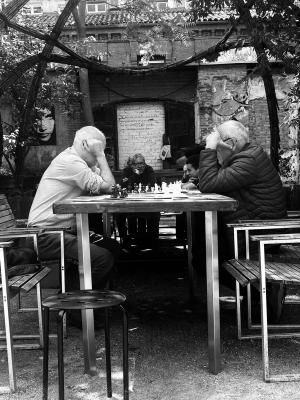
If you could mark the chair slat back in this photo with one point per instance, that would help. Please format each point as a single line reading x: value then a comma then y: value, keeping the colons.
x: 7, y: 219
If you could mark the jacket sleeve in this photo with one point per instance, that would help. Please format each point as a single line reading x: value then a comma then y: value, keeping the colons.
x: 240, y: 172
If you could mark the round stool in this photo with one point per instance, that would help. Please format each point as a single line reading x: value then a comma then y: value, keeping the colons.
x: 84, y: 300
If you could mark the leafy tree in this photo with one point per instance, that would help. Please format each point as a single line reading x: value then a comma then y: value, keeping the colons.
x: 56, y: 87
x: 273, y: 29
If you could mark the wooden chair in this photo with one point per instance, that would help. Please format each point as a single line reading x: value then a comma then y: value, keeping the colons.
x: 10, y: 288
x: 248, y: 272
x: 10, y: 230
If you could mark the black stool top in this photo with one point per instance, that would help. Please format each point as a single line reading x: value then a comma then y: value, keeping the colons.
x: 84, y: 300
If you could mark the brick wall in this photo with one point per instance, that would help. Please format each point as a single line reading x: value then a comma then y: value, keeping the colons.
x: 222, y: 90
x: 140, y: 130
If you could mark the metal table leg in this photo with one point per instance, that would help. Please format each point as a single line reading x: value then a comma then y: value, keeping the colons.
x: 191, y: 272
x: 213, y: 305
x: 85, y: 275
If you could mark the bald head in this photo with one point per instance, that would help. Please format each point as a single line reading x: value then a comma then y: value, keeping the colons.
x: 89, y: 132
x: 89, y: 143
x: 234, y: 130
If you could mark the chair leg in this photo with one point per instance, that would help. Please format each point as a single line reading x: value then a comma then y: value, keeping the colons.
x: 264, y: 319
x: 107, y: 354
x: 7, y: 322
x: 60, y: 354
x: 46, y: 353
x: 40, y: 316
x: 125, y: 355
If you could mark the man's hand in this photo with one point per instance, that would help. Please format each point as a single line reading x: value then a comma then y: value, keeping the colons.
x: 212, y: 140
x: 95, y: 147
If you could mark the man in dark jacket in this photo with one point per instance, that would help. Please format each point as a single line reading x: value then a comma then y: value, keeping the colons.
x: 231, y: 166
x: 143, y: 227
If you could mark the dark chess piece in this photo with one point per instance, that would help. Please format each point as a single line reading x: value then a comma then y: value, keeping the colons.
x: 135, y: 188
x: 143, y: 189
x: 114, y: 192
x: 123, y: 193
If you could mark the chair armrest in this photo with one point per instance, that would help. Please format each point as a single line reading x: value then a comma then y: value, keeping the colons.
x: 288, y: 223
x: 47, y: 229
x: 282, y: 238
x: 19, y: 232
x: 293, y: 214
x: 5, y: 244
x: 21, y: 223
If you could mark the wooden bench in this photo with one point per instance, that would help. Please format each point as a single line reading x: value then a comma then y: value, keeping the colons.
x: 26, y: 278
x: 11, y: 287
x: 282, y: 268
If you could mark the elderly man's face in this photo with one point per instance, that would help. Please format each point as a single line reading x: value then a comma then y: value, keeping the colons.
x: 138, y: 165
x: 225, y: 150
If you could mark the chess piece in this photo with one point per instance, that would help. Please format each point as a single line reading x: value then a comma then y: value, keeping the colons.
x: 143, y: 189
x: 124, y: 193
x: 135, y: 188
x: 114, y: 192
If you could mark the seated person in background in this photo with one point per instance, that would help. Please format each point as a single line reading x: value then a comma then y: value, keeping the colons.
x: 192, y: 172
x: 145, y: 226
x: 80, y: 169
x: 190, y: 180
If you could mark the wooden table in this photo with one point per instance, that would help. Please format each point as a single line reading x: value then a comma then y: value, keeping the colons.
x: 209, y: 203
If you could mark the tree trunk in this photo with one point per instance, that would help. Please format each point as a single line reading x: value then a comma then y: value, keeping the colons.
x: 272, y: 104
x: 266, y: 73
x: 79, y: 16
x: 1, y: 141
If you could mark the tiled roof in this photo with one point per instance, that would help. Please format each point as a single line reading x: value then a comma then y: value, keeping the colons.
x: 111, y: 18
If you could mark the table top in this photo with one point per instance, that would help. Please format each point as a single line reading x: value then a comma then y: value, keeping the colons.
x: 144, y: 203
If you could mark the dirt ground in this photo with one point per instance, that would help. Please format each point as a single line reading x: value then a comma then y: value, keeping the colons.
x: 167, y: 348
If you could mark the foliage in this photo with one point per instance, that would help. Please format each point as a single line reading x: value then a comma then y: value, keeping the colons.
x: 57, y: 88
x: 289, y: 165
x: 273, y: 30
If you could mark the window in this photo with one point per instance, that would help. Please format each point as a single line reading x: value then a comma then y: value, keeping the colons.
x: 219, y: 32
x: 74, y: 37
x: 32, y: 10
x: 206, y: 33
x: 114, y: 3
x: 92, y: 8
x: 102, y: 36
x: 115, y: 36
x: 101, y: 7
x: 162, y: 5
x: 26, y: 10
x: 244, y: 32
x: 37, y: 10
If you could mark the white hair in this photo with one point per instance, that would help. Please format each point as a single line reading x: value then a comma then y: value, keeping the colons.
x: 234, y: 130
x: 88, y: 132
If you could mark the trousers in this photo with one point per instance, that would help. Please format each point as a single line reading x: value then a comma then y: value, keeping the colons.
x: 104, y: 253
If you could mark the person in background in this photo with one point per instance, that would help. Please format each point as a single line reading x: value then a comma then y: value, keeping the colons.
x: 144, y: 227
x: 80, y: 169
x: 192, y: 172
x: 190, y: 157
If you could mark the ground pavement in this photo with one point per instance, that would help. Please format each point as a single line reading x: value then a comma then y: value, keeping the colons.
x: 167, y: 346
